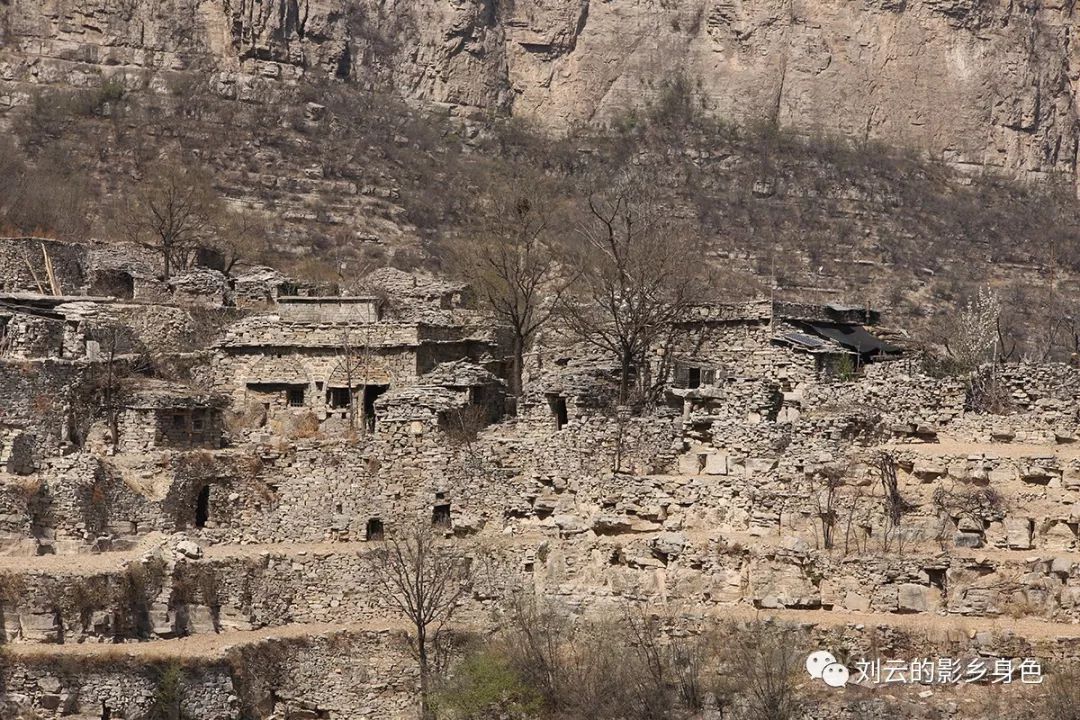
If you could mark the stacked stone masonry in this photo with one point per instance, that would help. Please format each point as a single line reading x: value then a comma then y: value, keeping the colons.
x: 218, y: 516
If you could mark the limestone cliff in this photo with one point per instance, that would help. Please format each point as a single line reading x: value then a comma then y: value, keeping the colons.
x: 971, y: 82
x: 974, y: 82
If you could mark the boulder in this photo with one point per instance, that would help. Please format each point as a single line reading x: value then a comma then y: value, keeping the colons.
x: 669, y: 544
x: 716, y: 464
x: 1061, y: 565
x: 912, y: 598
x: 968, y: 539
x: 1018, y: 533
x: 610, y: 524
x: 189, y: 549
x: 569, y: 524
x: 691, y: 463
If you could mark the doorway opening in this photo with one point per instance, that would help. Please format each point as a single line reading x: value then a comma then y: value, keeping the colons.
x: 371, y: 393
x: 202, y: 507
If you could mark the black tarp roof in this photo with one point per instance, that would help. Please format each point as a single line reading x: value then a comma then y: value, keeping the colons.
x: 855, y: 337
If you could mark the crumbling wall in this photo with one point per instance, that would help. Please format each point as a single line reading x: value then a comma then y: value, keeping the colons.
x: 744, y: 349
x: 351, y: 676
x: 113, y: 686
x: 22, y: 265
x: 145, y: 429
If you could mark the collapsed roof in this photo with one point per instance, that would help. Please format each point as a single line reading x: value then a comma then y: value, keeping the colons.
x: 852, y: 337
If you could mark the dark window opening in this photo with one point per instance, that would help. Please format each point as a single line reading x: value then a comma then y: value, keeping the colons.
x: 440, y: 516
x: 529, y: 566
x: 374, y: 530
x: 178, y: 421
x: 340, y: 398
x: 440, y: 495
x: 558, y: 409
x: 295, y: 396
x: 371, y: 392
x: 693, y: 377
x: 936, y: 577
x: 202, y: 507
x: 115, y: 283
x: 198, y: 423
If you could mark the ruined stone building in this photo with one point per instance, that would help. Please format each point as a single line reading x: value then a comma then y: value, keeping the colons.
x: 181, y: 481
x: 327, y: 355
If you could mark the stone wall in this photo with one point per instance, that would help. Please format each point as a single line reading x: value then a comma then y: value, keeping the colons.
x: 348, y: 675
x: 22, y: 265
x: 65, y: 686
x: 24, y: 337
x: 144, y: 429
x: 328, y: 309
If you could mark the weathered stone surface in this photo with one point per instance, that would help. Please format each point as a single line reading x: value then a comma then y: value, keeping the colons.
x: 189, y: 549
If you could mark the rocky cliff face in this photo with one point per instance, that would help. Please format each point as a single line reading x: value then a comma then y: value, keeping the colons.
x: 974, y: 83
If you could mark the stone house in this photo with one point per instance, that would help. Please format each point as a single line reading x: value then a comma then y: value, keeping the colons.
x: 327, y: 354
x: 786, y: 343
x: 165, y: 416
x: 457, y: 397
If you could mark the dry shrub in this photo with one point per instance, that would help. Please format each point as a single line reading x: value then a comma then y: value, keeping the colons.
x: 297, y: 426
x: 463, y: 425
x: 12, y: 588
x: 1061, y: 696
x: 249, y: 417
x: 28, y: 485
x: 636, y: 664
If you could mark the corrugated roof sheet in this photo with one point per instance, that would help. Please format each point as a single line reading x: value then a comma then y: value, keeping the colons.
x: 855, y: 337
x: 804, y: 340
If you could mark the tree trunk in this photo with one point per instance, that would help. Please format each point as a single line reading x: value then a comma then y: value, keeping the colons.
x: 425, y: 672
x: 624, y: 377
x: 166, y: 254
x: 518, y: 366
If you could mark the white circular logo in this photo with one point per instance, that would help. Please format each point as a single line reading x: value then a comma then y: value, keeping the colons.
x: 835, y: 675
x: 817, y: 661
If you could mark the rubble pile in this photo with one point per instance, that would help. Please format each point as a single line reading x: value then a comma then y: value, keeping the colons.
x: 212, y: 496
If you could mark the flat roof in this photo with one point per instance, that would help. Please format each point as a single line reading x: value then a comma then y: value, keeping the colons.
x: 343, y: 299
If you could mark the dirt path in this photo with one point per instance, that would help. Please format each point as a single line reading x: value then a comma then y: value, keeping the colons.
x: 211, y: 646
x: 92, y: 563
x: 951, y: 447
x: 207, y: 646
x: 940, y: 626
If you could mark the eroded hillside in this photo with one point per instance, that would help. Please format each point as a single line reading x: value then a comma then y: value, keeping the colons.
x: 973, y: 83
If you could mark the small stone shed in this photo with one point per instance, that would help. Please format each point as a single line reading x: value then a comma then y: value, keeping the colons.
x: 166, y: 416
x: 783, y: 342
x: 456, y: 397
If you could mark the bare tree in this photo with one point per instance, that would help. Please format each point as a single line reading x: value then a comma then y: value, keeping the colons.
x: 639, y: 271
x: 978, y: 505
x: 825, y: 485
x: 242, y: 238
x: 514, y: 271
x: 420, y: 575
x: 118, y: 356
x: 173, y: 212
x: 762, y: 663
x: 356, y: 365
x: 894, y: 503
